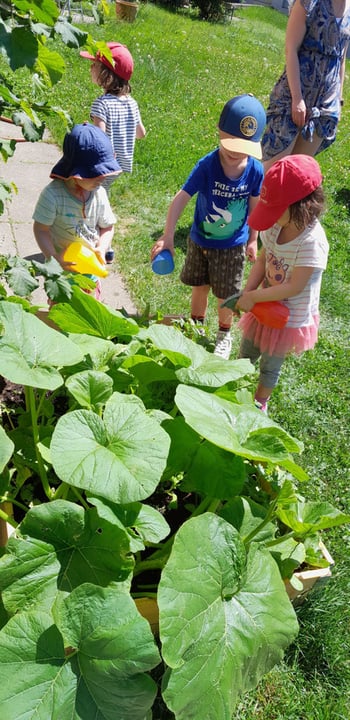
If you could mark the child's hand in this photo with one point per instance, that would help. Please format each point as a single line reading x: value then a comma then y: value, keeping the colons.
x: 67, y: 266
x: 245, y: 302
x: 251, y: 251
x: 162, y: 244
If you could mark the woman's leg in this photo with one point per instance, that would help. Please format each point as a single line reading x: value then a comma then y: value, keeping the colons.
x: 299, y: 146
x: 307, y: 147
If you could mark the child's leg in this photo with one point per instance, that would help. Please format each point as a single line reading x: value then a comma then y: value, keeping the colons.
x: 195, y: 274
x: 199, y: 302
x: 248, y: 350
x: 270, y: 369
x: 225, y: 316
x: 226, y: 271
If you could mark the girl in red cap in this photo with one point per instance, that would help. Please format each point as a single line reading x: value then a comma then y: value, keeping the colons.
x: 288, y: 269
x: 116, y: 112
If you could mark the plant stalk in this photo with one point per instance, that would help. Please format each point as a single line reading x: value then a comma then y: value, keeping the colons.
x: 30, y: 402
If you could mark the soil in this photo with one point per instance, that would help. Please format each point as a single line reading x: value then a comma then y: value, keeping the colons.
x: 11, y: 395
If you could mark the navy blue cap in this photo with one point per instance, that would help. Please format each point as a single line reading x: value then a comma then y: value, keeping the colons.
x: 244, y: 118
x: 87, y: 153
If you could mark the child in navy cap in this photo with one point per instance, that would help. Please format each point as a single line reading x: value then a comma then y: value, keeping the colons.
x: 227, y: 182
x: 74, y: 205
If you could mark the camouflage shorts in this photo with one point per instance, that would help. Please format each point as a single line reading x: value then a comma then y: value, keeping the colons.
x: 221, y: 269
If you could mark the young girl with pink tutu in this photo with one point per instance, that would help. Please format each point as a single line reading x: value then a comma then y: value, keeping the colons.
x: 288, y: 269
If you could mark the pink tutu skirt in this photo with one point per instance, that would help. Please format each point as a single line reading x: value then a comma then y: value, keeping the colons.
x: 279, y: 342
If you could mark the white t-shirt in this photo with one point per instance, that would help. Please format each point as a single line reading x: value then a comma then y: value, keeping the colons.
x: 309, y: 249
x: 69, y: 217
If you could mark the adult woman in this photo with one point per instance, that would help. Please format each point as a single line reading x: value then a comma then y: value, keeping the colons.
x: 305, y: 103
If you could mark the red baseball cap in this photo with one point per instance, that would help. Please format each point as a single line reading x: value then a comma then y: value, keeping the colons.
x: 122, y: 63
x: 287, y: 181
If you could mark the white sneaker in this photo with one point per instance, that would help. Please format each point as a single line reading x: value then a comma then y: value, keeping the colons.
x: 223, y: 344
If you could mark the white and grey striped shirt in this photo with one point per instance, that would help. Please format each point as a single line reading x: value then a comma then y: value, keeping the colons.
x: 121, y: 116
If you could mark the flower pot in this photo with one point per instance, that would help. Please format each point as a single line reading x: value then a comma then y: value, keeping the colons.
x: 309, y: 579
x: 126, y: 10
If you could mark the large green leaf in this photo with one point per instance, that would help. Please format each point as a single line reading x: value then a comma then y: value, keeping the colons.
x: 91, y: 389
x: 22, y: 48
x: 50, y: 64
x: 206, y: 468
x: 120, y: 457
x: 147, y: 370
x: 240, y: 429
x: 215, y: 472
x: 91, y: 664
x: 6, y: 448
x: 305, y: 517
x: 71, y: 35
x: 204, y: 369
x: 61, y: 546
x: 225, y: 619
x: 30, y: 351
x: 215, y: 373
x: 84, y: 314
x: 180, y: 350
x: 20, y: 278
x: 45, y: 11
x: 144, y: 523
x: 99, y: 353
x: 247, y: 516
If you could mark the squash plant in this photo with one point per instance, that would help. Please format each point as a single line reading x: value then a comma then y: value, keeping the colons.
x: 138, y: 466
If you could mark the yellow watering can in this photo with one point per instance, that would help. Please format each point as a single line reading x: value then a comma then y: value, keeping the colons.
x: 85, y: 260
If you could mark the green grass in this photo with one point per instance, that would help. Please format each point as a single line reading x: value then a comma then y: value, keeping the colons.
x: 185, y: 70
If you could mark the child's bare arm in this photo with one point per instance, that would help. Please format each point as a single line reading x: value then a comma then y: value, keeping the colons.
x: 42, y: 234
x: 140, y: 131
x: 98, y: 122
x: 105, y: 240
x: 252, y: 244
x: 294, y: 286
x: 176, y: 207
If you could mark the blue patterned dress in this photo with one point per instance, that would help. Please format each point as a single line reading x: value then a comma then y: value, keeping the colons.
x: 320, y: 59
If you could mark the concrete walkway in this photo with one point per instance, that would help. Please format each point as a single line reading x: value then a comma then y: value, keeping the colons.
x: 29, y: 170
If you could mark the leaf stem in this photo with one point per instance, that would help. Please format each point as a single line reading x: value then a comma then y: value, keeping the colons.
x: 8, y: 519
x: 263, y: 524
x: 80, y: 497
x: 30, y: 402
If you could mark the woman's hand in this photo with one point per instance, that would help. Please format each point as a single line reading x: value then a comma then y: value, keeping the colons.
x: 299, y: 113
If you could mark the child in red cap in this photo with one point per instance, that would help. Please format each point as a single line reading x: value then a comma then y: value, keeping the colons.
x: 116, y: 112
x: 289, y: 267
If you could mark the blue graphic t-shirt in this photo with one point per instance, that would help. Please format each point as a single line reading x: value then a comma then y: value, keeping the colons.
x: 222, y: 205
